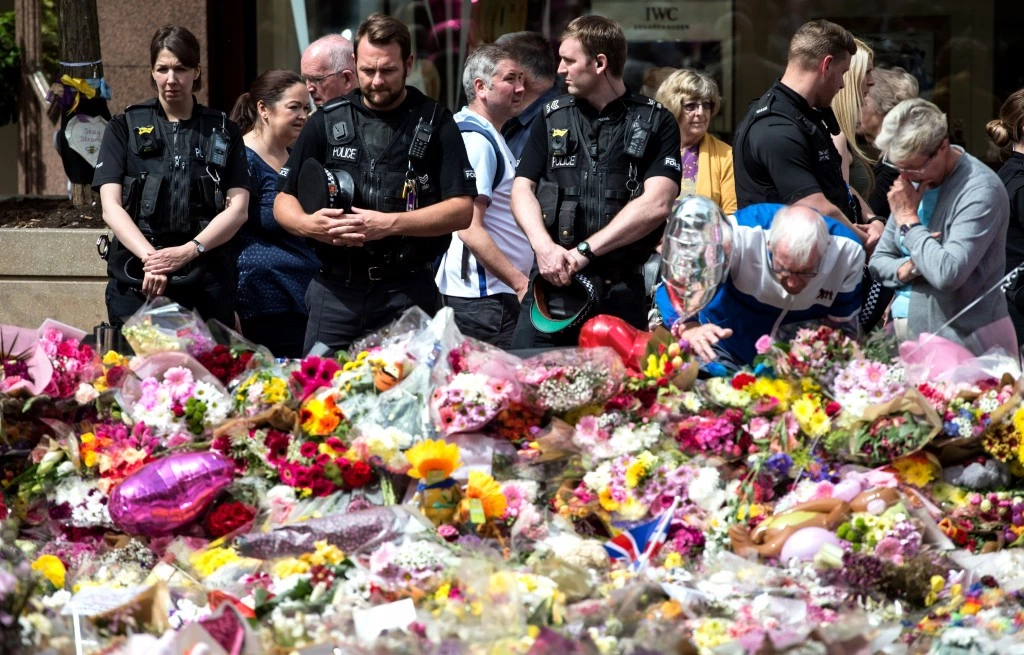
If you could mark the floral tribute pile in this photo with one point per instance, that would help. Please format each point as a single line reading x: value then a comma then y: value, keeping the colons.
x: 428, y: 493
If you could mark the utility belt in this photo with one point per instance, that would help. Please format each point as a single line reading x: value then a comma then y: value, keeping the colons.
x: 125, y: 267
x: 358, y: 270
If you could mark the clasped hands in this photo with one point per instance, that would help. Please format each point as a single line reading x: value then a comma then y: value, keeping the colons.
x: 339, y: 228
x: 558, y: 264
x: 157, y: 265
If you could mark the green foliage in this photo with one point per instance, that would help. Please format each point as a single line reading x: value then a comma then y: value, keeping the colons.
x: 48, y: 26
x: 10, y: 69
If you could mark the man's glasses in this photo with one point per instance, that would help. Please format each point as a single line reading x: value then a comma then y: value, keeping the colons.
x: 691, y: 107
x: 784, y: 272
x: 911, y: 171
x: 317, y: 80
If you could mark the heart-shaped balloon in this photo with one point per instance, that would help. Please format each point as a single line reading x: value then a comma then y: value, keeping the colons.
x: 695, y: 254
x: 169, y: 493
x: 613, y: 332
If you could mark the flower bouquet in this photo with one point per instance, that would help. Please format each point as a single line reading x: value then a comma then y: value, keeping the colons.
x: 980, y: 418
x: 262, y: 389
x: 563, y: 380
x: 24, y: 367
x: 175, y: 397
x: 162, y: 325
x: 862, y: 382
x: 470, y: 401
x: 72, y: 361
x: 888, y: 431
x: 812, y: 352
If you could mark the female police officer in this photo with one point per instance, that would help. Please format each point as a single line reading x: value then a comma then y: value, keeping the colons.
x: 174, y: 184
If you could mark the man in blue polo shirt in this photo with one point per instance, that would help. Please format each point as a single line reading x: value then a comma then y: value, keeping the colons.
x: 789, y: 265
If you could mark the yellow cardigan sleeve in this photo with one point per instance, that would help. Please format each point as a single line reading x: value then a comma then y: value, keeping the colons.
x: 715, y: 173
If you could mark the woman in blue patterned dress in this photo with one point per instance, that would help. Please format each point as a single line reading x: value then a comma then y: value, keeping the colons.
x: 274, y: 267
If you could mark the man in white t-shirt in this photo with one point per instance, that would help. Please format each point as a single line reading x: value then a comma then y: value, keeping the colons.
x: 484, y: 275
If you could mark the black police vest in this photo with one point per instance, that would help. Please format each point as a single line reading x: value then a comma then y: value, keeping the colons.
x: 819, y: 143
x: 596, y: 171
x: 381, y: 161
x: 169, y: 186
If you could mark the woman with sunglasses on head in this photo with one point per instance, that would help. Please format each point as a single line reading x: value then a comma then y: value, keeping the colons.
x: 174, y: 186
x: 945, y: 244
x: 1007, y: 131
x: 274, y: 267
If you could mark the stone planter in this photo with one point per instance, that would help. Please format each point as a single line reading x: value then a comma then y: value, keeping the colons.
x: 51, y: 273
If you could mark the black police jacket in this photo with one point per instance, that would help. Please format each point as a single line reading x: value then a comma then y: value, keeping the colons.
x: 387, y: 165
x: 172, y: 175
x: 589, y: 177
x: 819, y: 140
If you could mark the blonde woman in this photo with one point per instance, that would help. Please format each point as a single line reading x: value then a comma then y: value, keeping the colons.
x: 693, y: 98
x: 857, y: 166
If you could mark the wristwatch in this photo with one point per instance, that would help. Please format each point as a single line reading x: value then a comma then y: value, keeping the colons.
x: 200, y: 248
x: 906, y: 228
x: 584, y: 249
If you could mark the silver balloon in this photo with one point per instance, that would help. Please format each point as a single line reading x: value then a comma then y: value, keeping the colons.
x: 695, y: 253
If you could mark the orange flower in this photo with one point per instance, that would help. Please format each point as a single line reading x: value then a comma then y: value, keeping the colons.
x: 488, y: 491
x: 320, y: 417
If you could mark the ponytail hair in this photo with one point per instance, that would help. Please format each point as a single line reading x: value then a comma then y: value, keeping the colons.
x: 1008, y: 129
x: 268, y: 89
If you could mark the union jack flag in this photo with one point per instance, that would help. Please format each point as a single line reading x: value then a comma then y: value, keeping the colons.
x: 630, y: 545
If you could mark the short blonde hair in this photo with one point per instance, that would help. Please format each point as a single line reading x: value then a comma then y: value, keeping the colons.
x: 685, y: 85
x: 913, y: 127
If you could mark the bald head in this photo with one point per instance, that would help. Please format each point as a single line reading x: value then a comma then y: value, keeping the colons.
x: 801, y: 232
x: 328, y: 68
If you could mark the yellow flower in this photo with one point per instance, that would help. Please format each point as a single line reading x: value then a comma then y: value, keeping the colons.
x: 87, y: 438
x: 635, y: 473
x: 431, y: 456
x: 809, y: 385
x: 917, y: 469
x: 779, y: 389
x: 608, y: 503
x: 320, y: 416
x: 488, y: 491
x: 632, y: 509
x: 89, y: 458
x: 289, y: 567
x: 328, y: 554
x: 442, y: 592
x: 803, y: 409
x: 673, y: 560
x: 274, y: 391
x: 112, y: 358
x: 818, y: 425
x: 207, y: 562
x: 100, y: 384
x: 52, y: 569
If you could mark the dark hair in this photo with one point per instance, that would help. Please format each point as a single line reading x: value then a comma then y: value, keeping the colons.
x: 381, y: 29
x: 816, y: 40
x: 600, y: 36
x: 181, y: 43
x: 1008, y: 129
x: 533, y: 52
x: 268, y: 87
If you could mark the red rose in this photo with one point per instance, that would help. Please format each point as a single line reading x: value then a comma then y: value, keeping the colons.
x: 322, y: 487
x: 358, y: 475
x: 742, y: 381
x: 229, y: 517
x: 221, y: 444
x: 114, y: 376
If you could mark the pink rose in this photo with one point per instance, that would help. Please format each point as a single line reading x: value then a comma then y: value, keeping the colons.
x: 763, y: 344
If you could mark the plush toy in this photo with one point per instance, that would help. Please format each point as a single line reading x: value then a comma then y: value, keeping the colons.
x: 977, y: 476
x: 387, y: 375
x: 769, y: 537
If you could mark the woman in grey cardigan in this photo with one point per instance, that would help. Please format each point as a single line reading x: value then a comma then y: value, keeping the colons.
x: 945, y: 242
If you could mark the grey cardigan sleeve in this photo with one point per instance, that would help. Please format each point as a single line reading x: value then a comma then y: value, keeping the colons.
x: 888, y: 257
x: 978, y: 217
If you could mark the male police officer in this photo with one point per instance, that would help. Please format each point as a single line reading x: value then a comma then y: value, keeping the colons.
x: 596, y: 181
x: 783, y: 150
x: 413, y: 187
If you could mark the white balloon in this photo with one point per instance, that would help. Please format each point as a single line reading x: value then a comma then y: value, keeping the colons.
x: 695, y: 254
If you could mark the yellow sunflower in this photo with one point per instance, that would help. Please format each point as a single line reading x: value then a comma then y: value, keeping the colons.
x: 431, y: 456
x: 488, y: 491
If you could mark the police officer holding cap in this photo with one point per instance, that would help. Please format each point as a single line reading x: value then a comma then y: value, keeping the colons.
x: 413, y: 187
x: 174, y: 185
x: 595, y: 184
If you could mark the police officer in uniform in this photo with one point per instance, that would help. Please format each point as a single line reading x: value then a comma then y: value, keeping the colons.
x: 414, y: 186
x: 596, y: 181
x: 174, y: 185
x: 783, y: 150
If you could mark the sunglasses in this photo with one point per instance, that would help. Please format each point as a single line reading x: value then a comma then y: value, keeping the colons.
x: 691, y: 107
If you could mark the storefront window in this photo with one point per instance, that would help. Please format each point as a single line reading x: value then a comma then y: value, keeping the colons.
x: 963, y: 54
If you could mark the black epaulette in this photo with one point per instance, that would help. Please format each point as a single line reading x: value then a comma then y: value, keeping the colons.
x: 335, y: 103
x: 561, y: 102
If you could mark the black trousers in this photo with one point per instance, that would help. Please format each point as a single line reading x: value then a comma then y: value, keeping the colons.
x: 342, y: 310
x: 491, y: 319
x: 282, y: 333
x: 624, y: 296
x: 212, y: 296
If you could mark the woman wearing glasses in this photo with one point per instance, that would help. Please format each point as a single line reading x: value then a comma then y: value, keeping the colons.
x: 945, y: 244
x: 692, y: 97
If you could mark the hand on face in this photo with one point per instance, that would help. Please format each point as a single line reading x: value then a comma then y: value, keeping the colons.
x: 904, y: 200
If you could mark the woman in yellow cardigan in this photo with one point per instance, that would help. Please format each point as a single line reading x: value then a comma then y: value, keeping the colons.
x: 693, y: 98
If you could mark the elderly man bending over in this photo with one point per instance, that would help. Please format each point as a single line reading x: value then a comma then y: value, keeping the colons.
x: 789, y: 265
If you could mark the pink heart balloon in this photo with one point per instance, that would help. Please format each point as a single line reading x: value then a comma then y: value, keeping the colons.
x: 169, y: 493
